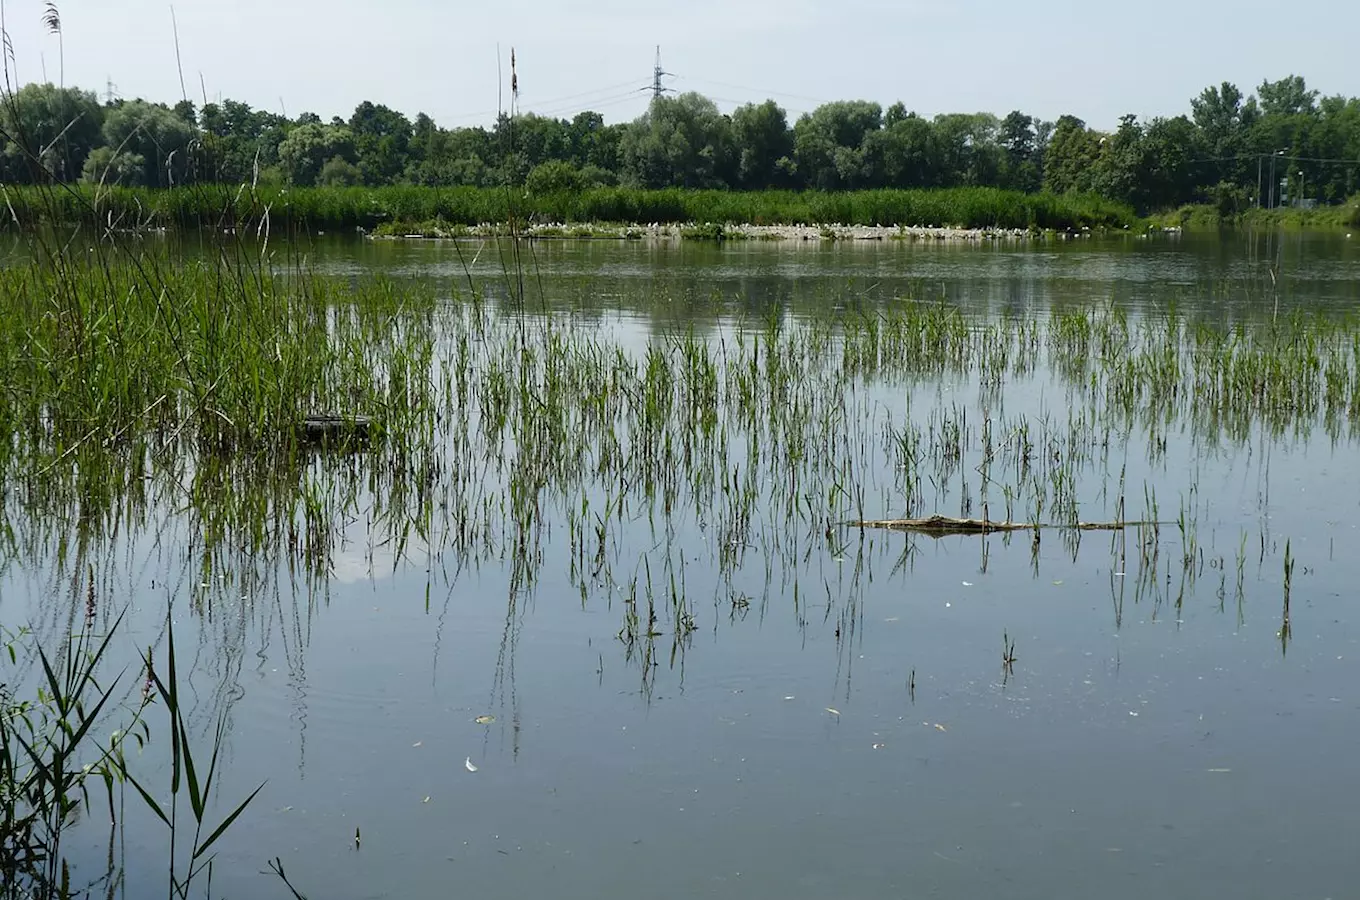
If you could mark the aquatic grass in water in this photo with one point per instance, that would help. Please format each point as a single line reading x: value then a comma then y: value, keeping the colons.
x: 151, y: 382
x: 694, y: 478
x: 131, y: 376
x: 498, y: 420
x: 56, y: 765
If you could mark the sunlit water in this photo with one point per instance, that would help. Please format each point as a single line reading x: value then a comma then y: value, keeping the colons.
x: 857, y: 735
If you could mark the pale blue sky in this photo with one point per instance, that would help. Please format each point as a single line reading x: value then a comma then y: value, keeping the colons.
x: 1096, y: 60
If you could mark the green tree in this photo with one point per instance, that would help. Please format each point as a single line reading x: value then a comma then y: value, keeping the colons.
x: 1225, y: 119
x: 240, y: 141
x: 595, y: 144
x: 1287, y: 97
x: 187, y: 112
x: 680, y: 142
x: 970, y: 154
x: 554, y: 176
x: 828, y: 144
x: 310, y: 147
x: 1119, y: 166
x: 106, y: 166
x: 1167, y: 174
x: 382, y: 140
x: 152, y: 131
x: 1336, y: 135
x: 904, y: 154
x: 764, y: 145
x: 339, y: 172
x: 1071, y: 155
x: 461, y: 156
x: 1019, y: 141
x: 48, y: 132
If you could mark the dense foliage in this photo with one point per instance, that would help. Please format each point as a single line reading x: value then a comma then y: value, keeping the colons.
x: 1283, y: 144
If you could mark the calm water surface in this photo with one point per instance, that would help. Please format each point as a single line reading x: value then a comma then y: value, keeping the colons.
x: 855, y: 736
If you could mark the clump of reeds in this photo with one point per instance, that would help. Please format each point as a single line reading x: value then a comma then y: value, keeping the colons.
x: 401, y: 209
x: 55, y: 764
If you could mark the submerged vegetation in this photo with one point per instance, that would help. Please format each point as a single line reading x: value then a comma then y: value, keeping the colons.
x: 124, y: 392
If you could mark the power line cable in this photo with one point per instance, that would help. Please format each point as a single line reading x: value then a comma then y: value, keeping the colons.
x: 552, y: 101
x: 594, y: 105
x: 753, y: 90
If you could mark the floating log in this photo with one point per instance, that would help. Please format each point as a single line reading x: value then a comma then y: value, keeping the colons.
x: 943, y: 526
x: 327, y: 428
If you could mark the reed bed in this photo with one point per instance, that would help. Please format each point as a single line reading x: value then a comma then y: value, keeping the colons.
x: 504, y: 420
x: 310, y: 209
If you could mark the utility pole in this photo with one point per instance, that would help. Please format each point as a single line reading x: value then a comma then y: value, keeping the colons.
x: 657, y: 73
x: 110, y: 91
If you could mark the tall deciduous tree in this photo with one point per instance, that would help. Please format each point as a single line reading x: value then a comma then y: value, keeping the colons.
x: 764, y: 145
x: 1070, y: 158
x: 308, y: 148
x: 48, y: 132
x: 152, y: 131
x: 828, y: 143
x: 1020, y: 142
x: 680, y: 141
x: 382, y: 140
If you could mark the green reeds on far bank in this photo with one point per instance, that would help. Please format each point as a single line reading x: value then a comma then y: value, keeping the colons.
x: 1206, y: 217
x: 334, y: 208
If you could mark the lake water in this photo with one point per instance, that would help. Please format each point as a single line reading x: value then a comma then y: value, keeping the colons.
x: 838, y: 721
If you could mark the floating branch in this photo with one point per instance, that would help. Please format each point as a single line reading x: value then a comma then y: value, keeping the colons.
x: 944, y: 526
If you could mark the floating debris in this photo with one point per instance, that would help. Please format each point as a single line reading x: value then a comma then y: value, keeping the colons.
x: 484, y: 720
x: 944, y: 526
x: 470, y: 766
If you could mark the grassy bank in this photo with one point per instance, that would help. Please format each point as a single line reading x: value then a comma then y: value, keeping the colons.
x: 368, y: 208
x: 1207, y: 217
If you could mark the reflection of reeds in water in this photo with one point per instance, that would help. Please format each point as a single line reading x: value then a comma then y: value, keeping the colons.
x: 683, y: 469
x: 483, y: 430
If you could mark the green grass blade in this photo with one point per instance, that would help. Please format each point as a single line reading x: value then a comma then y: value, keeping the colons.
x: 88, y: 720
x: 58, y: 695
x: 150, y: 801
x: 196, y: 797
x: 171, y: 694
x: 226, y: 823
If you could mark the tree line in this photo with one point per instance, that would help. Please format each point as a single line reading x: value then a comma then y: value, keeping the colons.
x: 1283, y: 143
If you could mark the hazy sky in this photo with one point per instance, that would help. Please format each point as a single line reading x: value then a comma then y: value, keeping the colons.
x: 1097, y: 60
